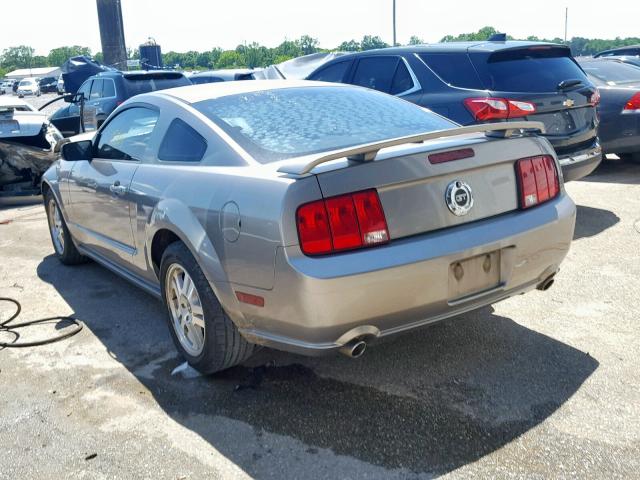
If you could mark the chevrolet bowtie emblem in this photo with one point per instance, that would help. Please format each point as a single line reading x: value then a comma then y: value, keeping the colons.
x: 568, y: 103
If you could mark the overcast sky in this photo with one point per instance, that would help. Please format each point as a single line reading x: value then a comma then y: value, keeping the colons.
x: 183, y: 25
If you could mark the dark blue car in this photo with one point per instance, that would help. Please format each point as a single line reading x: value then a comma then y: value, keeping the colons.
x: 472, y: 82
x: 619, y: 85
x: 105, y: 91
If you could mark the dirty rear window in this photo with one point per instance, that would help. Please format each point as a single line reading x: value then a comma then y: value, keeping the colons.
x: 274, y: 125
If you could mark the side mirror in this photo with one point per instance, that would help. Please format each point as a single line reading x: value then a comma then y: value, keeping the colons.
x: 76, y: 151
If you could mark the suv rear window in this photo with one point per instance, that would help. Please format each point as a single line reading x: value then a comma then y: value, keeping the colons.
x: 534, y: 69
x: 455, y: 69
x: 144, y: 83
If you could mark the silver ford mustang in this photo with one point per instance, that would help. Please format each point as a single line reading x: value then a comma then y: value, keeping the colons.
x: 308, y: 217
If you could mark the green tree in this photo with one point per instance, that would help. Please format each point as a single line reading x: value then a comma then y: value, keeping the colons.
x: 13, y: 58
x: 414, y: 40
x: 370, y: 42
x: 288, y: 48
x: 229, y: 59
x: 350, y: 46
x: 57, y: 56
x: 308, y: 44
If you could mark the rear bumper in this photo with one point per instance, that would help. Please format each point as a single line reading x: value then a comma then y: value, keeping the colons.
x: 319, y: 304
x: 580, y: 164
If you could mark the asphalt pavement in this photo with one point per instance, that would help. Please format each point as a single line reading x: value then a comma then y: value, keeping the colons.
x: 544, y: 385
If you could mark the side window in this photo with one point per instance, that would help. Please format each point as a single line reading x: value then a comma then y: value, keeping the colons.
x: 454, y: 69
x: 182, y: 143
x: 333, y: 73
x: 402, y: 80
x: 375, y: 72
x: 126, y: 136
x: 96, y: 90
x: 108, y: 88
x: 85, y: 88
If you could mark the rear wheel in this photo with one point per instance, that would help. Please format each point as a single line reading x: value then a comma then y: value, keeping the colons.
x: 201, y: 330
x: 63, y: 245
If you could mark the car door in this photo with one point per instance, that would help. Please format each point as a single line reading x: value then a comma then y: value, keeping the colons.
x: 92, y: 105
x: 67, y: 120
x: 99, y: 196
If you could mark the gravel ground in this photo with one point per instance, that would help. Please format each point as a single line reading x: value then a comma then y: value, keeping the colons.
x: 42, y: 99
x: 539, y: 386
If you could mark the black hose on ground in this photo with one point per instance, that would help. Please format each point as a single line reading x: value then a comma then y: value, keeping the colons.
x: 5, y: 327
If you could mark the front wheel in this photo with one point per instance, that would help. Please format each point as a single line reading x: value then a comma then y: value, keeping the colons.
x: 201, y: 330
x: 63, y: 245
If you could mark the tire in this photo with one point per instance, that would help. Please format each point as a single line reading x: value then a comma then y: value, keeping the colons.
x: 630, y: 157
x: 209, y: 341
x: 63, y: 246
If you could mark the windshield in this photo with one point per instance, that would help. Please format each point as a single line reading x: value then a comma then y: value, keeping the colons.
x: 612, y: 73
x: 274, y: 125
x: 24, y: 83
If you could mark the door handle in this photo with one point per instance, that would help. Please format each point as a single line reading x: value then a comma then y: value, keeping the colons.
x: 118, y: 189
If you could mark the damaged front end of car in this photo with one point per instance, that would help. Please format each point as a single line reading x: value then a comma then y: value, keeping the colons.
x: 28, y: 146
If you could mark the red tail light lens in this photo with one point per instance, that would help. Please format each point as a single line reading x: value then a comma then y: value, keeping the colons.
x: 313, y: 228
x: 342, y: 223
x: 537, y: 180
x: 633, y: 105
x: 595, y: 98
x: 489, y: 108
x: 373, y: 224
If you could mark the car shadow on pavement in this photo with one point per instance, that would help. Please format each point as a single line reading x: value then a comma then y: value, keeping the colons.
x: 431, y: 401
x: 591, y: 221
x: 615, y: 171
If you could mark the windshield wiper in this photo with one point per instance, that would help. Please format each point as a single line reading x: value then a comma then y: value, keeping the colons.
x: 566, y: 84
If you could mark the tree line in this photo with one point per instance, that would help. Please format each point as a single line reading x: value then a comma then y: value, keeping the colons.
x: 256, y: 55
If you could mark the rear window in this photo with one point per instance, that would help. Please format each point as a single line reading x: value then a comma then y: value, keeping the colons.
x: 205, y: 79
x: 274, y: 125
x: 537, y: 69
x: 455, y: 69
x: 612, y: 73
x: 137, y: 84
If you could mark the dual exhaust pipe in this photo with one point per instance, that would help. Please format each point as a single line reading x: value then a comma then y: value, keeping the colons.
x: 355, y: 348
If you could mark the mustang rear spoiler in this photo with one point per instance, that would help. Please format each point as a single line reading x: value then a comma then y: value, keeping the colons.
x: 367, y: 152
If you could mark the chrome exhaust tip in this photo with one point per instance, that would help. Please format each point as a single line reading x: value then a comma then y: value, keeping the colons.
x: 354, y: 348
x: 547, y: 283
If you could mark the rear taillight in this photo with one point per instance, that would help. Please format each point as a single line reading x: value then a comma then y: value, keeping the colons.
x: 489, y: 108
x: 345, y: 222
x: 537, y: 180
x: 594, y: 99
x: 633, y: 105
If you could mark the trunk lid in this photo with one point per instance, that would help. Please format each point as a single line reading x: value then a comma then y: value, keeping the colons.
x: 412, y: 189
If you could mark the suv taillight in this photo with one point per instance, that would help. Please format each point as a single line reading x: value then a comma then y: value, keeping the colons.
x: 633, y: 105
x: 537, y: 180
x: 345, y: 222
x: 594, y: 99
x: 489, y: 108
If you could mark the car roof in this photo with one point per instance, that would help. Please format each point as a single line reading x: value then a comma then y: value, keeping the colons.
x: 452, y: 47
x: 138, y: 73
x: 10, y: 101
x: 224, y: 72
x: 617, y: 49
x: 208, y: 91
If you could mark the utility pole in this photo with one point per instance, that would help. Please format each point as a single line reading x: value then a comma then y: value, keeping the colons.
x: 394, y: 23
x: 112, y: 33
x: 566, y: 20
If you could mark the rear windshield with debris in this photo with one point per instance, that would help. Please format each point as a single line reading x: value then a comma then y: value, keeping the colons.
x: 274, y: 125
